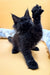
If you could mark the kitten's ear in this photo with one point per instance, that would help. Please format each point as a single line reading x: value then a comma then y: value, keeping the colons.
x: 27, y: 14
x: 15, y: 18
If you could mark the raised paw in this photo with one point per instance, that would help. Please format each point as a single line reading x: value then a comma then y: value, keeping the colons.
x: 32, y: 65
x: 36, y: 11
x: 35, y: 49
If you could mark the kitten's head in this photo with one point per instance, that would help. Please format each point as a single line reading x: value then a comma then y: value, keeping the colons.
x: 22, y: 24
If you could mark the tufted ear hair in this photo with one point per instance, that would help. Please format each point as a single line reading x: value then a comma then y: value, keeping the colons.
x: 15, y: 18
x: 27, y: 14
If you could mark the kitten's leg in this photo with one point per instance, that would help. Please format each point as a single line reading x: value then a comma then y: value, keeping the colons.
x: 10, y: 39
x: 15, y: 50
x: 35, y: 49
x: 29, y: 59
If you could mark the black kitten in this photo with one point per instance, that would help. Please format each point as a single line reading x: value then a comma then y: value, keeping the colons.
x: 28, y: 34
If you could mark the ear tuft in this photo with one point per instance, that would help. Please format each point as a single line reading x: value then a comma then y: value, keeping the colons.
x: 15, y: 18
x: 27, y: 14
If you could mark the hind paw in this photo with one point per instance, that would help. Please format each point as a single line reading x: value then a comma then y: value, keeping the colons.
x: 15, y: 50
x: 36, y: 49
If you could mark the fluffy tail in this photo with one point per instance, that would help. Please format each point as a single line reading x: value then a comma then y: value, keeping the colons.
x: 10, y: 39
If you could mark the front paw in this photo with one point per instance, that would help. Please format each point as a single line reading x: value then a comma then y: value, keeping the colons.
x: 37, y: 11
x: 32, y: 64
x: 14, y: 50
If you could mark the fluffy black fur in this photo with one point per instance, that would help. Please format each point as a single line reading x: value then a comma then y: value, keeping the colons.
x: 28, y: 34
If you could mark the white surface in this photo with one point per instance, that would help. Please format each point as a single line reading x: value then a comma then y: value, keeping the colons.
x: 4, y: 33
